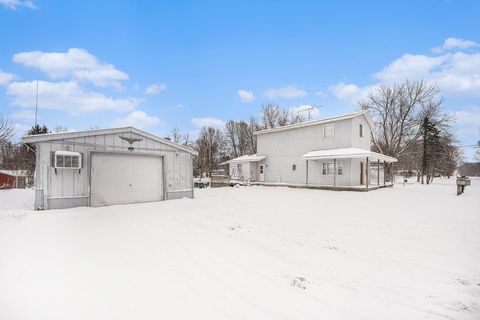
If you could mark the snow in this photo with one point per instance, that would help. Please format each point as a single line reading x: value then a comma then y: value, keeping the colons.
x: 347, y: 153
x: 254, y: 252
x: 12, y: 200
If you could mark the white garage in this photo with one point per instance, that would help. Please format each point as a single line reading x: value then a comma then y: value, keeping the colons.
x: 109, y: 167
x: 125, y: 178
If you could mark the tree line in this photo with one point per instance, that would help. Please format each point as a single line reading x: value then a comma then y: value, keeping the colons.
x: 409, y: 124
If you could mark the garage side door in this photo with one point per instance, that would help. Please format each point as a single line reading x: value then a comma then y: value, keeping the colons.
x: 121, y: 179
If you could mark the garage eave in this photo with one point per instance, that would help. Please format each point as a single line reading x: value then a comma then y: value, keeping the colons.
x: 78, y: 134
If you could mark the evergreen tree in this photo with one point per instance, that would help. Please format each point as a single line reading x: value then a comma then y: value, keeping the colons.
x: 37, y: 129
x: 432, y: 149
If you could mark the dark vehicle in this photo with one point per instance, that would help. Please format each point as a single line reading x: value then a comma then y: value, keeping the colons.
x: 199, y: 184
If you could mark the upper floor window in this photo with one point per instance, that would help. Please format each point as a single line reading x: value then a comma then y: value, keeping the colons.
x: 294, y: 167
x: 361, y: 130
x: 328, y: 130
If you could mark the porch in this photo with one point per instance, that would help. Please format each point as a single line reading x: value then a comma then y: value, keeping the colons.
x: 351, y: 169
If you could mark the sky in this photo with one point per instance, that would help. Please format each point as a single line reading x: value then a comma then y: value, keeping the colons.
x: 158, y: 65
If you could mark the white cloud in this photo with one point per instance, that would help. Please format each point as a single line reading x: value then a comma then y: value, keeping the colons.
x: 156, y: 88
x: 468, y: 117
x: 346, y: 91
x: 68, y: 96
x: 320, y: 94
x: 137, y: 119
x: 246, y: 96
x: 455, y: 43
x: 288, y: 92
x: 6, y: 78
x: 410, y: 66
x: 457, y: 73
x: 208, y: 122
x: 77, y: 64
x: 14, y: 4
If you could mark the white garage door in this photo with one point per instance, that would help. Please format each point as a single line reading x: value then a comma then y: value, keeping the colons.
x: 125, y: 178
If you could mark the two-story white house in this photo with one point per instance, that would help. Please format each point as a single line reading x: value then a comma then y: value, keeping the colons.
x: 334, y: 152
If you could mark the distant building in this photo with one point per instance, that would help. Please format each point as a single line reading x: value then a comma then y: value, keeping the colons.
x: 469, y: 169
x: 10, y: 179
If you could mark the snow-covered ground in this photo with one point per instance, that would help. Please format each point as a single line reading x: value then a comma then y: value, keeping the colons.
x: 247, y: 253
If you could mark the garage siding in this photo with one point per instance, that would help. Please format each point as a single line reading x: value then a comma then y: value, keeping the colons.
x: 71, y: 188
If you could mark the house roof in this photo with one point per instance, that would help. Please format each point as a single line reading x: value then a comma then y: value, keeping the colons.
x: 68, y: 135
x: 347, y: 153
x: 365, y: 113
x: 15, y: 173
x: 246, y: 158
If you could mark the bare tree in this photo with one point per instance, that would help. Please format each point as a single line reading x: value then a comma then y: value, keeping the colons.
x: 253, y: 126
x: 398, y: 112
x: 61, y: 129
x: 270, y: 114
x: 210, y: 147
x: 231, y: 138
x: 7, y: 130
x: 273, y: 116
x: 176, y: 136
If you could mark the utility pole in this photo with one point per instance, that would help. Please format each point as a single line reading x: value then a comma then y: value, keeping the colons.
x: 36, y: 104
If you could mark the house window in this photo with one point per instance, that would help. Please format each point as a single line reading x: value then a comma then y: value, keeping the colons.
x: 294, y: 167
x: 328, y: 130
x: 361, y: 130
x: 261, y: 169
x: 327, y: 168
x: 239, y: 167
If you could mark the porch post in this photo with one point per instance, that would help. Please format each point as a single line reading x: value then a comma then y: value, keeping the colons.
x: 367, y: 180
x: 378, y: 173
x: 334, y: 172
x: 306, y: 174
x: 384, y: 171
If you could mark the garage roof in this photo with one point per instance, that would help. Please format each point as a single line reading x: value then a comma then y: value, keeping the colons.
x: 346, y: 153
x: 68, y: 135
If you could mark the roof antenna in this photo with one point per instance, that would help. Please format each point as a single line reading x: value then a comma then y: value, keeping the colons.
x: 309, y: 110
x: 36, y: 103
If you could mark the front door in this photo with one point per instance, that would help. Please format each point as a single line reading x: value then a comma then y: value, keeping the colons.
x: 361, y: 173
x: 261, y: 175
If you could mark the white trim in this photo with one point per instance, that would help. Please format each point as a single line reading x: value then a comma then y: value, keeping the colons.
x: 246, y: 158
x: 69, y: 135
x: 346, y: 153
x: 364, y: 113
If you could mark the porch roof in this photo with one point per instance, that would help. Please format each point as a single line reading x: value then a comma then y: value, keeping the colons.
x: 347, y: 153
x: 246, y: 158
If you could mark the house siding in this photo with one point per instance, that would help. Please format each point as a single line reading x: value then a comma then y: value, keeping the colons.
x: 285, y: 148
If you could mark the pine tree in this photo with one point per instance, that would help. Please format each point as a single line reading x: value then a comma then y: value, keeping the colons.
x: 432, y: 149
